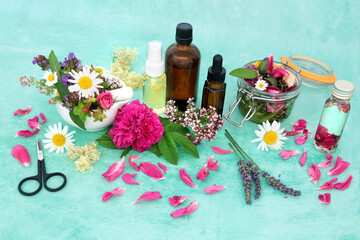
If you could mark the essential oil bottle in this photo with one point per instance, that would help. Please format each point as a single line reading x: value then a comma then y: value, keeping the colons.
x: 214, y: 87
x: 334, y: 116
x: 154, y: 79
x: 182, y: 60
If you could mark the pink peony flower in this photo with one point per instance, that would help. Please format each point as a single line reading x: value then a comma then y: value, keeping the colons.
x: 105, y: 99
x: 136, y: 125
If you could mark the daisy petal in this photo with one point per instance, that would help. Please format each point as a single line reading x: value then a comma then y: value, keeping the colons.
x: 186, y: 211
x: 116, y: 191
x: 286, y: 154
x: 221, y: 151
x: 339, y: 167
x: 186, y: 178
x: 149, y: 196
x: 344, y: 185
x: 213, y: 189
x: 23, y: 112
x: 325, y: 198
x: 21, y: 153
x: 177, y: 200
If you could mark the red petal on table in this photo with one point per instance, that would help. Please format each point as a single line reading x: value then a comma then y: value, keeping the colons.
x: 314, y: 173
x: 43, y: 118
x: 34, y: 122
x: 303, y: 157
x: 26, y: 133
x: 21, y: 153
x: 177, y: 200
x: 151, y: 170
x: 149, y: 196
x: 221, y: 151
x: 325, y: 198
x: 132, y: 158
x: 300, y: 125
x: 129, y: 178
x: 116, y: 191
x: 286, y: 154
x: 339, y: 167
x: 186, y: 211
x: 163, y: 167
x: 327, y: 162
x: 328, y: 185
x: 212, y: 165
x: 186, y: 178
x: 344, y: 185
x: 22, y: 112
x: 213, y: 189
x: 202, y: 174
x: 115, y: 170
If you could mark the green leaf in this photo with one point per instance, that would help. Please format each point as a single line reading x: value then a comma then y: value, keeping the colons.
x: 156, y: 150
x: 263, y: 66
x: 126, y: 151
x: 164, y: 121
x: 105, y: 141
x: 82, y: 116
x: 55, y: 67
x: 188, y: 145
x: 77, y: 120
x: 168, y: 148
x: 176, y: 127
x: 54, y: 63
x: 271, y: 80
x: 244, y: 73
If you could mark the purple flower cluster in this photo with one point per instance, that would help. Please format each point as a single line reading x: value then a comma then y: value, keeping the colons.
x: 246, y: 177
x: 204, y: 122
x: 42, y: 62
x: 255, y: 174
x: 65, y: 80
x: 71, y: 63
x: 279, y: 186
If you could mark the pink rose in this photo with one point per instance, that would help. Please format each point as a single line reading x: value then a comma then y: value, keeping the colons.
x: 105, y: 99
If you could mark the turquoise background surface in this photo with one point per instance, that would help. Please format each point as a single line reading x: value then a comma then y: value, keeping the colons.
x: 239, y: 30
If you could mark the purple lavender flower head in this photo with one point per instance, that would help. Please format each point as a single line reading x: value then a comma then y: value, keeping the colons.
x: 246, y: 176
x: 71, y: 63
x: 42, y: 62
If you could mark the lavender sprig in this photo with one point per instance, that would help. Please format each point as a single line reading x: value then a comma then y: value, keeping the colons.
x: 278, y: 185
x: 246, y: 176
x: 255, y: 174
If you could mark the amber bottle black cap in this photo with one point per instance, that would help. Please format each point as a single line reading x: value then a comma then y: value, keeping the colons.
x: 184, y: 33
x: 216, y: 72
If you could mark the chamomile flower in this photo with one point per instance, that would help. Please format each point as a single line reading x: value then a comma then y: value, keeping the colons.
x: 270, y: 136
x: 58, y: 138
x: 51, y: 78
x: 261, y: 85
x: 86, y: 83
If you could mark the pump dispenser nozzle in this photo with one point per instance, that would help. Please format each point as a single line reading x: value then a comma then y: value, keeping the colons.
x: 216, y: 72
x: 154, y: 64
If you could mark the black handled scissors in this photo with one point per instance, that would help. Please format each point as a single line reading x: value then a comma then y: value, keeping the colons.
x: 41, y: 175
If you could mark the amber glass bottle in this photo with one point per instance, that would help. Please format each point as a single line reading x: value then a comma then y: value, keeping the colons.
x: 214, y: 87
x: 182, y: 60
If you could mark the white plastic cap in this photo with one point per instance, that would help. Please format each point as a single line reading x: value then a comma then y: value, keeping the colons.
x: 154, y: 64
x: 343, y: 89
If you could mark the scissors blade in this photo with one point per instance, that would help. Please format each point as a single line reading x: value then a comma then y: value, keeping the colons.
x: 40, y: 150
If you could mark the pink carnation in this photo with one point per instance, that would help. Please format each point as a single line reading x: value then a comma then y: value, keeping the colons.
x: 136, y: 125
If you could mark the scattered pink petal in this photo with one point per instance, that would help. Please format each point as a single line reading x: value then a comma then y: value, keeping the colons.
x: 43, y: 118
x: 185, y: 211
x: 221, y: 151
x: 279, y: 72
x: 34, y: 122
x: 163, y: 167
x: 314, y: 173
x: 149, y: 196
x: 213, y: 189
x: 177, y: 200
x: 286, y: 154
x: 327, y: 162
x: 117, y: 191
x: 151, y: 170
x: 22, y: 112
x: 344, y: 185
x: 186, y: 178
x: 339, y: 167
x: 300, y: 125
x: 21, y: 153
x: 202, y: 174
x: 328, y: 185
x: 291, y: 133
x: 129, y: 178
x: 132, y: 158
x: 303, y: 157
x: 115, y: 170
x: 325, y: 198
x: 212, y: 165
x: 26, y: 133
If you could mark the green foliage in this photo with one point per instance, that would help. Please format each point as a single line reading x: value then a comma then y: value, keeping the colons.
x: 77, y: 120
x: 126, y: 151
x: 271, y: 80
x: 168, y: 148
x: 106, y: 141
x: 244, y: 73
x: 155, y: 149
x: 263, y: 66
x: 188, y: 145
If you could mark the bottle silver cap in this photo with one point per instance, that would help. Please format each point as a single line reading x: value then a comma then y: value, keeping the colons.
x: 343, y: 90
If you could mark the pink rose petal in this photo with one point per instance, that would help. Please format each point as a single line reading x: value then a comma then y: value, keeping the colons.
x: 21, y: 153
x: 149, y: 196
x: 163, y: 167
x: 212, y: 165
x: 151, y: 170
x: 115, y: 170
x: 43, y: 118
x: 339, y: 167
x: 22, y: 112
x: 132, y: 158
x: 300, y: 125
x: 177, y: 200
x: 314, y: 173
x: 291, y: 133
x: 26, y: 133
x: 302, y: 139
x: 344, y: 185
x: 186, y: 211
x: 328, y: 185
x: 325, y: 198
x: 116, y: 191
x: 327, y: 162
x: 34, y: 122
x: 221, y: 151
x: 202, y: 174
x: 270, y: 63
x: 279, y: 72
x: 303, y: 157
x: 286, y: 154
x: 213, y: 189
x: 186, y: 178
x: 273, y: 89
x: 129, y: 178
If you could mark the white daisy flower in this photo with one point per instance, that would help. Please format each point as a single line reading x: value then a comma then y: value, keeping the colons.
x: 86, y: 83
x: 261, y: 85
x: 51, y: 78
x: 58, y: 138
x: 270, y: 136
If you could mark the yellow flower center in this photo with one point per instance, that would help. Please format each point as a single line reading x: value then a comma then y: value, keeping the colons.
x: 270, y: 137
x: 59, y: 139
x: 99, y: 70
x: 261, y: 85
x: 85, y: 82
x: 51, y: 77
